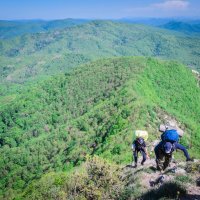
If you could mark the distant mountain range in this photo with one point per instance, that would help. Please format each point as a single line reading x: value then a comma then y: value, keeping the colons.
x: 9, y: 29
x: 188, y: 28
x: 147, y: 21
x: 12, y: 28
x: 34, y: 56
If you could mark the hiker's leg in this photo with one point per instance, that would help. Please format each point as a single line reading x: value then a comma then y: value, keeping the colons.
x: 144, y: 156
x: 182, y: 148
x: 159, y: 160
x: 135, y: 154
x: 168, y: 159
x: 159, y: 163
x: 157, y: 150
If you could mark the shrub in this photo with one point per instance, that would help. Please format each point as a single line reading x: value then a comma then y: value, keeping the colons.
x: 170, y: 190
x: 97, y: 180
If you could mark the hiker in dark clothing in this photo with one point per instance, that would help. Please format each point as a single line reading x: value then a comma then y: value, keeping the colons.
x: 139, y: 146
x: 164, y: 152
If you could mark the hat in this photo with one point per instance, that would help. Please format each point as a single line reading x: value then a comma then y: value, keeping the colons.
x: 168, y: 147
x: 140, y: 140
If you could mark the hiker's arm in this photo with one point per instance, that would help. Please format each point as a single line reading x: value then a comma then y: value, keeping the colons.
x: 145, y: 150
x: 182, y: 148
x: 133, y: 146
x: 156, y: 151
x: 162, y: 136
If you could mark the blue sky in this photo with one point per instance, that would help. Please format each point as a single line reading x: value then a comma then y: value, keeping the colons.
x: 97, y: 9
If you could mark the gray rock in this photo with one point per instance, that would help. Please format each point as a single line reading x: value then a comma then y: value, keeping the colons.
x: 180, y: 171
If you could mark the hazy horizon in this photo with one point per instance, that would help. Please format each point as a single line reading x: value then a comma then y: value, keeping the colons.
x: 125, y: 18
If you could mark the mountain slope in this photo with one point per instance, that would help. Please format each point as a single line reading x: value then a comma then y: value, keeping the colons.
x: 10, y: 29
x: 188, y: 28
x: 147, y: 21
x: 36, y: 56
x: 93, y: 110
x: 99, y: 179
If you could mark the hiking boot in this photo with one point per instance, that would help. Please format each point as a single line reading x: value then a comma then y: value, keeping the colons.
x: 174, y: 169
x: 164, y: 168
x: 135, y: 166
x: 158, y: 168
x: 189, y: 160
x: 142, y: 163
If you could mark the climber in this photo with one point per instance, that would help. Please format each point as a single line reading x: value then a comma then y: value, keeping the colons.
x: 139, y: 146
x: 166, y: 147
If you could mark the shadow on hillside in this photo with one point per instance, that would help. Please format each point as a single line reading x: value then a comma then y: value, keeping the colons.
x: 169, y: 190
x: 153, y: 168
x: 190, y: 197
x: 129, y: 166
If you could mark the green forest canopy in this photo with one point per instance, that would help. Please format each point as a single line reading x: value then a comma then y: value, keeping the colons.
x: 53, y: 125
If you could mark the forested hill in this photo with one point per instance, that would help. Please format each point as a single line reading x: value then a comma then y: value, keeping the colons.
x: 92, y: 110
x: 184, y: 27
x: 35, y: 56
x: 10, y: 29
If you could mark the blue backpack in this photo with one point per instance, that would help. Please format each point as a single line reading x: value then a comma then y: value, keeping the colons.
x: 170, y: 136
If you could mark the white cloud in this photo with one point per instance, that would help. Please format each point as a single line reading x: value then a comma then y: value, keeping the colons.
x: 172, y: 4
x: 164, y: 8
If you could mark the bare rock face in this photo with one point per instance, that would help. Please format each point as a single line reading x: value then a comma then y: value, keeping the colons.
x: 182, y: 177
x: 169, y: 122
x: 180, y: 171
